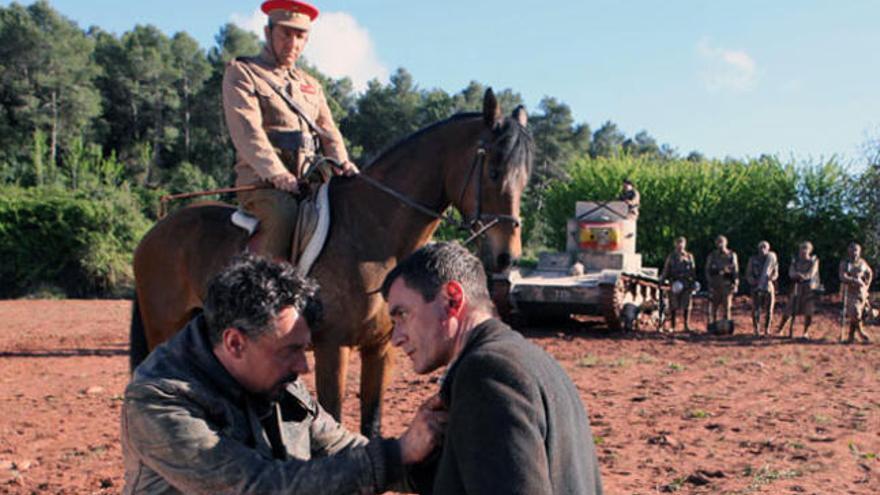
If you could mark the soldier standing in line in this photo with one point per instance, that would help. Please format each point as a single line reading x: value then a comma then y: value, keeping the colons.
x: 762, y: 271
x: 722, y: 273
x: 804, y: 275
x: 855, y: 278
x: 680, y: 270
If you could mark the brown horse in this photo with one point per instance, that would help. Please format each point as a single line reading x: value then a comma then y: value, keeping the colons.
x: 479, y: 163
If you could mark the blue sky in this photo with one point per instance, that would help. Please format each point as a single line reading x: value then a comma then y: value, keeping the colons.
x: 792, y: 78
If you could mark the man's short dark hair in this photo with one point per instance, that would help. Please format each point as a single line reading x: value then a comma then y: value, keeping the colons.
x: 433, y: 266
x: 251, y: 291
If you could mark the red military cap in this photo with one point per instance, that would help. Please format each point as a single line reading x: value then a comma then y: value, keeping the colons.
x: 291, y: 13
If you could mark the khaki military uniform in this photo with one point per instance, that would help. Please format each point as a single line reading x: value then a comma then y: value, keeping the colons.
x: 762, y: 271
x: 856, y: 277
x: 680, y: 267
x: 722, y: 273
x: 633, y: 201
x: 804, y: 274
x: 270, y: 139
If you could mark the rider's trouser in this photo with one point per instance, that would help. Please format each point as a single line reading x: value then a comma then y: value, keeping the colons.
x: 276, y: 211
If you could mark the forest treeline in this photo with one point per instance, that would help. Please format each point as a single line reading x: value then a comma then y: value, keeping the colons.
x: 95, y: 126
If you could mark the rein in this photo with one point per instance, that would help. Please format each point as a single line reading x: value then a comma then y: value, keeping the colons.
x: 475, y: 225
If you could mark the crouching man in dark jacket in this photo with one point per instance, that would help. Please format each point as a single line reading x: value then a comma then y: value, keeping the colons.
x: 516, y: 422
x: 220, y: 408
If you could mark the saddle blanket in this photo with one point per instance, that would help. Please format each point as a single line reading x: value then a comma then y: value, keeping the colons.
x: 310, y: 234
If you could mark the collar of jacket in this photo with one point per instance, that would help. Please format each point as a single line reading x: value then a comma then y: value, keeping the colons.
x: 268, y: 58
x: 195, y: 348
x: 490, y: 329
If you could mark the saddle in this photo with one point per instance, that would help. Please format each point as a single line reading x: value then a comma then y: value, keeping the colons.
x: 310, y: 234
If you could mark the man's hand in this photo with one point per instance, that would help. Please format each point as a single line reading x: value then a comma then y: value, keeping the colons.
x: 348, y: 169
x: 425, y: 433
x: 285, y: 182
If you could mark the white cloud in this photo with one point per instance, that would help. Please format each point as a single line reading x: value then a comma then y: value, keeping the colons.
x: 253, y: 22
x: 726, y: 70
x: 338, y: 46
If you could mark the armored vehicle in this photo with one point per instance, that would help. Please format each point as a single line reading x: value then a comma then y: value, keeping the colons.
x: 599, y: 274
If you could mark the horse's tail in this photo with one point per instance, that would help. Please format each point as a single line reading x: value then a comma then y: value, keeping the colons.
x: 138, y: 349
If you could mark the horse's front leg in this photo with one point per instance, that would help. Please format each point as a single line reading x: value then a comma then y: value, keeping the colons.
x: 377, y: 364
x: 331, y: 366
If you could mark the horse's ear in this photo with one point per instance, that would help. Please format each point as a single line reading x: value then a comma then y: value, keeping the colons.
x: 491, y: 110
x: 520, y: 115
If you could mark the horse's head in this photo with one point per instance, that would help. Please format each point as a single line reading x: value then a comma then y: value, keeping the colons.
x: 493, y: 186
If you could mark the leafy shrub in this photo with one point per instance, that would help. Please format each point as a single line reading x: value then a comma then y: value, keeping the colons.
x: 79, y: 241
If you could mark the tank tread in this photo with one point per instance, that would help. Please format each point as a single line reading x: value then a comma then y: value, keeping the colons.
x: 611, y: 302
x: 631, y: 302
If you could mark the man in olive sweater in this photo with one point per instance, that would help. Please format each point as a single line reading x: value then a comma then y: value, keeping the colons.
x: 516, y: 422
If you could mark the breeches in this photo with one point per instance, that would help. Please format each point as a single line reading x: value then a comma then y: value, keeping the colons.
x: 856, y: 303
x: 277, y: 212
x: 763, y: 300
x: 680, y: 301
x: 720, y: 292
x: 802, y: 301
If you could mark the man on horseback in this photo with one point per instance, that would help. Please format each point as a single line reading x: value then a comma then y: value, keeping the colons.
x: 279, y: 121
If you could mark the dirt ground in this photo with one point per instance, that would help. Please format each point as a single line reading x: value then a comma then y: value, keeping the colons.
x: 690, y: 414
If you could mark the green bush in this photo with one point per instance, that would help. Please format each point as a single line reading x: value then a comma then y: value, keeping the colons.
x: 79, y: 241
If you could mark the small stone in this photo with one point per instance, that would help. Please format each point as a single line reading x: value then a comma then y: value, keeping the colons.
x: 95, y: 390
x: 673, y: 442
x: 106, y: 483
x: 23, y: 465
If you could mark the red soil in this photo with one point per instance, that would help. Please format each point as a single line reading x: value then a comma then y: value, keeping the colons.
x: 692, y: 414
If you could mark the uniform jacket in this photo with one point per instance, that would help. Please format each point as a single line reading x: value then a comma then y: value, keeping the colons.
x: 516, y: 422
x: 189, y: 427
x: 857, y: 275
x: 805, y: 271
x: 633, y: 200
x: 679, y: 267
x: 721, y: 267
x: 762, y: 271
x: 254, y: 111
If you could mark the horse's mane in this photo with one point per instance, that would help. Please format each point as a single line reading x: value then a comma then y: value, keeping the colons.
x: 418, y: 135
x: 517, y: 146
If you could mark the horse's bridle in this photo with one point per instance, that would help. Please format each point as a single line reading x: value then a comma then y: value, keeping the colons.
x: 475, y: 225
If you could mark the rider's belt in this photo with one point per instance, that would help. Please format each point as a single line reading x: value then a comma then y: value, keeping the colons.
x: 291, y: 141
